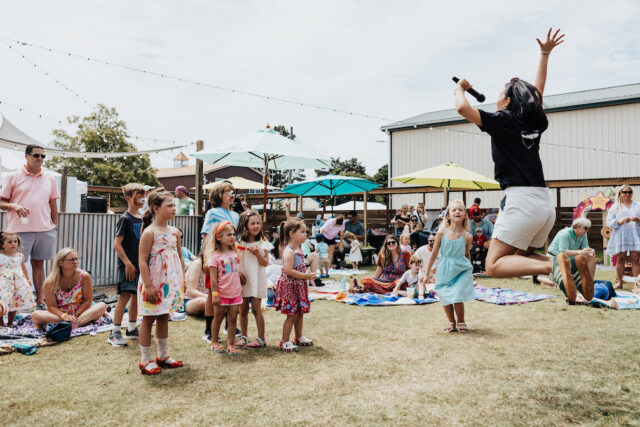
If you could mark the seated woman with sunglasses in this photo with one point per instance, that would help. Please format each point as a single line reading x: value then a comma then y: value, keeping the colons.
x: 623, y: 218
x: 68, y: 292
x: 392, y: 263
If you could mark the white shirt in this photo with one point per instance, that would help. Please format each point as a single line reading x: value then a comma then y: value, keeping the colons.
x: 425, y: 253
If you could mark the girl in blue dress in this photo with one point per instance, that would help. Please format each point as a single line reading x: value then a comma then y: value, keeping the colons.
x: 454, y: 279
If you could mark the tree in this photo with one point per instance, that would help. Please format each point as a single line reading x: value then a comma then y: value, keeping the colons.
x: 350, y: 167
x: 382, y: 175
x: 101, y: 131
x: 282, y: 178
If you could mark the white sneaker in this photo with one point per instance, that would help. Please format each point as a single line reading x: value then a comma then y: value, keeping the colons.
x: 116, y: 340
x: 304, y: 342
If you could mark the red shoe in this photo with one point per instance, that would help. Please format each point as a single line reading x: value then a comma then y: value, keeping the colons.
x: 174, y: 364
x: 153, y: 371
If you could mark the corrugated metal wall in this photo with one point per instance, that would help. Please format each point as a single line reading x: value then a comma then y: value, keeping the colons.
x: 614, y: 128
x: 91, y: 235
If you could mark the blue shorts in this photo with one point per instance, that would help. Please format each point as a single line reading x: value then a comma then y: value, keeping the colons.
x: 124, y: 285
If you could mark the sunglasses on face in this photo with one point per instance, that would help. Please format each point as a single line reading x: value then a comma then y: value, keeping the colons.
x: 72, y: 259
x: 586, y: 228
x: 431, y: 242
x: 627, y: 192
x: 38, y: 156
x: 391, y: 242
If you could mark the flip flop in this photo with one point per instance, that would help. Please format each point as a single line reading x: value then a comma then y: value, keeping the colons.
x: 233, y: 353
x: 217, y: 349
x: 258, y: 343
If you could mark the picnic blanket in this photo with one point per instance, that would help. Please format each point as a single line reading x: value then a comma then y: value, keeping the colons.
x: 349, y: 272
x: 627, y: 300
x: 373, y: 299
x: 502, y: 296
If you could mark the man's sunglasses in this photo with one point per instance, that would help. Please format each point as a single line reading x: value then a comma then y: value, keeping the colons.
x: 38, y: 156
x: 431, y: 242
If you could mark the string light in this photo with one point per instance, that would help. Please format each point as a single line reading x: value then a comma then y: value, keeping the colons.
x: 46, y: 73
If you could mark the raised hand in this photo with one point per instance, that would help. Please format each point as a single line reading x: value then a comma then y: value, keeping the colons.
x: 551, y: 41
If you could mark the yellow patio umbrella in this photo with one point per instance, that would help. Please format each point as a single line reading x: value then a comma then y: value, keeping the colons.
x: 447, y: 176
x: 240, y: 183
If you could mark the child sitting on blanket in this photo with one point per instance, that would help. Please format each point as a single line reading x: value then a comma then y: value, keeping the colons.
x: 410, y: 278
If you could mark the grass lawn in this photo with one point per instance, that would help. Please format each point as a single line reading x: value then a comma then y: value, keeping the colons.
x: 541, y: 363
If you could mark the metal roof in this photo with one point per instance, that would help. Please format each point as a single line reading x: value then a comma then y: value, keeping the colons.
x: 560, y: 102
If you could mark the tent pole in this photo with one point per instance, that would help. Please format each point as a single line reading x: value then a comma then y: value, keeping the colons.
x: 365, y: 217
x: 264, y: 190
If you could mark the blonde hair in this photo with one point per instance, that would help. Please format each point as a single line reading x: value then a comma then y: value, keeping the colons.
x: 404, y: 236
x: 132, y: 188
x: 214, y: 244
x: 447, y: 219
x: 54, y: 277
x: 619, y: 197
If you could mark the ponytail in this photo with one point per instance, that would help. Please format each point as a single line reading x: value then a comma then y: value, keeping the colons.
x: 155, y: 198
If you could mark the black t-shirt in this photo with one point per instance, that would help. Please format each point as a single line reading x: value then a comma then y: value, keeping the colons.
x: 515, y: 149
x: 400, y: 217
x: 129, y: 227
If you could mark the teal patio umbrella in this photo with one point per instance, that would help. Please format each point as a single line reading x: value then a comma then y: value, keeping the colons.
x: 330, y: 185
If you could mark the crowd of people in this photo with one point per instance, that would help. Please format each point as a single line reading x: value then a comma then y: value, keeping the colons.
x: 238, y: 264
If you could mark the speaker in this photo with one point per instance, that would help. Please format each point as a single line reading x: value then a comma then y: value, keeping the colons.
x: 92, y: 204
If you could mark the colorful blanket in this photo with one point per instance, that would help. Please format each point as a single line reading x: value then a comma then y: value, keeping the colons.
x: 370, y: 298
x: 506, y: 296
x: 627, y: 300
x: 23, y: 327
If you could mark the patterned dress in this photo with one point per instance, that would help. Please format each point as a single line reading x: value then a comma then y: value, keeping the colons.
x: 391, y: 273
x: 15, y: 289
x: 69, y: 301
x: 167, y: 277
x: 625, y: 237
x: 292, y: 295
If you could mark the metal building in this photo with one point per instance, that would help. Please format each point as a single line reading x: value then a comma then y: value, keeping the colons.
x: 592, y: 134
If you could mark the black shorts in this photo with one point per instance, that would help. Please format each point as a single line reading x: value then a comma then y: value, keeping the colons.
x: 125, y: 285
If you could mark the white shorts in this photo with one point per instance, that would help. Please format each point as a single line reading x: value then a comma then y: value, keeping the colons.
x: 526, y: 219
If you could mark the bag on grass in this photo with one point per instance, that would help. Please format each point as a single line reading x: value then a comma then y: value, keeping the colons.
x: 58, y: 332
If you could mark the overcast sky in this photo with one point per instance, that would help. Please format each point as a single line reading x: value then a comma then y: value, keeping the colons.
x: 388, y: 59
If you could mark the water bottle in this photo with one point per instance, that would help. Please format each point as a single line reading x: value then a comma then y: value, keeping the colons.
x: 191, y: 210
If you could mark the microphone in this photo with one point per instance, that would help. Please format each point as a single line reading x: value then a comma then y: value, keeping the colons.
x: 478, y: 96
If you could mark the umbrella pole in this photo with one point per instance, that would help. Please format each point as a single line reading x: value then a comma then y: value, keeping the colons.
x: 446, y: 196
x: 264, y: 191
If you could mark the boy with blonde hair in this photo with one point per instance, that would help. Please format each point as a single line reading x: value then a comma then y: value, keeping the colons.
x: 126, y: 245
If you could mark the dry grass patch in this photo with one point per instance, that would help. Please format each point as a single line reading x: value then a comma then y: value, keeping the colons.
x: 540, y: 363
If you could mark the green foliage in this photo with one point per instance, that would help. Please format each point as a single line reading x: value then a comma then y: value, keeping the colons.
x: 101, y: 131
x: 349, y: 167
x: 382, y: 175
x: 281, y: 179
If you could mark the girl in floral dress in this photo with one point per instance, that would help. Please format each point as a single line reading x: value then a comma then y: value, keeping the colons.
x: 15, y: 287
x: 161, y: 286
x: 292, y: 293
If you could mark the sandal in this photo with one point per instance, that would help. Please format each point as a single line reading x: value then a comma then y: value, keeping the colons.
x: 164, y: 364
x: 258, y: 343
x: 288, y: 346
x: 303, y: 342
x: 232, y: 351
x: 462, y: 328
x: 152, y: 371
x: 217, y: 348
x: 451, y: 328
x: 244, y: 339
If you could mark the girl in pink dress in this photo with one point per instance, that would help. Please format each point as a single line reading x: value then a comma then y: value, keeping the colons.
x: 292, y: 293
x: 161, y: 286
x: 15, y: 287
x: 226, y: 288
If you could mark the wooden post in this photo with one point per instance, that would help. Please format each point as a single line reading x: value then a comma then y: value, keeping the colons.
x: 558, y: 198
x: 300, y: 209
x: 63, y: 190
x: 464, y: 198
x: 424, y: 200
x: 199, y: 179
x: 445, y: 194
x: 388, y: 208
x: 364, y: 207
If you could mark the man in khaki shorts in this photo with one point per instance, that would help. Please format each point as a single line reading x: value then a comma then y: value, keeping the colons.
x: 29, y: 196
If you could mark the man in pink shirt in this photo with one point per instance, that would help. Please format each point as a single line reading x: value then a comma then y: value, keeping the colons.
x: 29, y: 196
